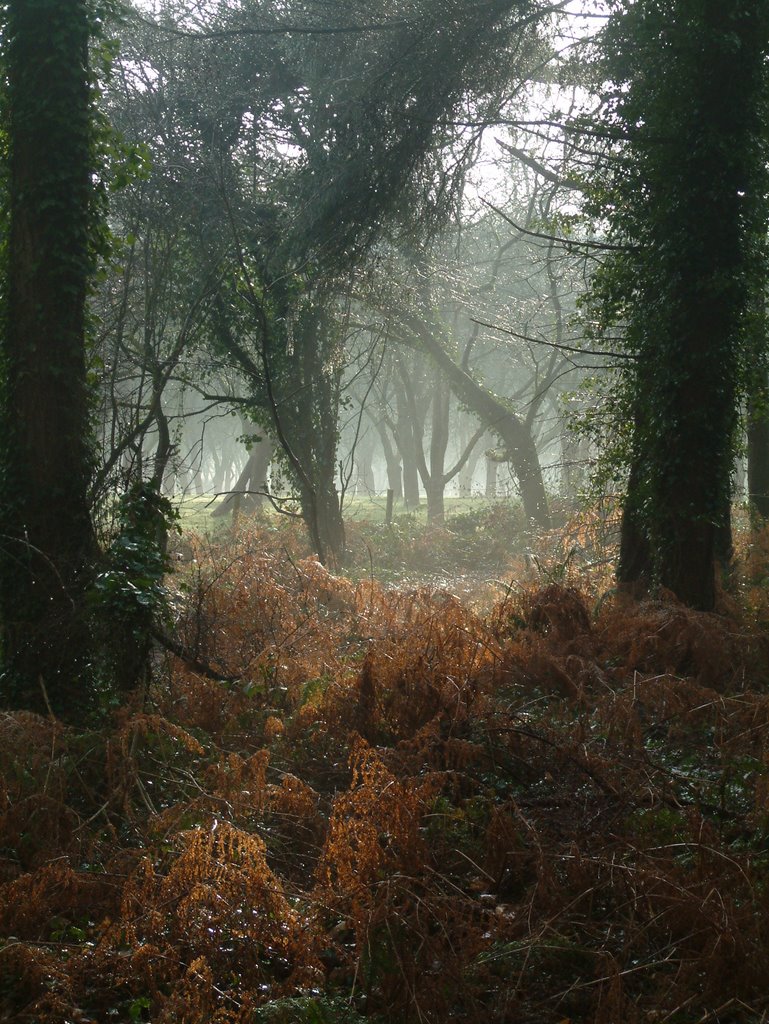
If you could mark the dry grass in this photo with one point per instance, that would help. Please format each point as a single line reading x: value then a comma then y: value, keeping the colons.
x: 402, y: 809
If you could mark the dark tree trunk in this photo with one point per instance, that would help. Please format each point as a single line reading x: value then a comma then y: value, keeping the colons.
x: 698, y: 253
x: 407, y: 447
x: 163, y: 451
x: 758, y: 413
x: 758, y: 458
x: 330, y: 527
x: 48, y: 546
x: 436, y: 502
x: 635, y: 568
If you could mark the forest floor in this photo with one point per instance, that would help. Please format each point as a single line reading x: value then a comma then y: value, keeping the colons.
x: 516, y: 797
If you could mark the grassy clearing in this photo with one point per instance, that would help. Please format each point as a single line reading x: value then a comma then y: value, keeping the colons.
x: 196, y: 511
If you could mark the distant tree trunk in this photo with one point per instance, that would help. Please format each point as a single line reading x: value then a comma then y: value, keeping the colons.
x: 573, y: 462
x: 253, y: 478
x: 48, y: 543
x: 394, y: 473
x: 229, y: 470
x: 467, y: 473
x: 364, y: 464
x: 407, y: 448
x: 492, y: 470
x: 411, y: 494
x: 218, y: 469
x: 435, y: 487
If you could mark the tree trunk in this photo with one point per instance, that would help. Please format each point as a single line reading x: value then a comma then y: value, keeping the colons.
x: 163, y: 451
x: 634, y: 568
x: 467, y: 473
x: 435, y: 486
x: 48, y: 546
x: 253, y: 479
x: 492, y: 470
x: 502, y: 421
x: 364, y: 465
x: 217, y: 475
x: 407, y: 447
x: 330, y: 526
x: 758, y: 412
x: 758, y: 457
x: 691, y: 262
x: 394, y: 473
x: 573, y: 462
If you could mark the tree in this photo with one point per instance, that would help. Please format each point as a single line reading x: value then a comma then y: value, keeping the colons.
x: 48, y: 545
x: 685, y: 201
x: 295, y: 174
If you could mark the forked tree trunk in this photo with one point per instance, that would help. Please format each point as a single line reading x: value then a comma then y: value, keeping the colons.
x: 248, y: 493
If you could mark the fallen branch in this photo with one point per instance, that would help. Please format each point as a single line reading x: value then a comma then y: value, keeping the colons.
x: 190, y: 659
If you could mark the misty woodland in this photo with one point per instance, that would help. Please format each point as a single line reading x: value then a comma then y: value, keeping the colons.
x: 384, y: 511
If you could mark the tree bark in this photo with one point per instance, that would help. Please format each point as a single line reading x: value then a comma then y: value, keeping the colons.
x: 689, y: 270
x: 48, y: 541
x: 758, y: 412
x: 758, y: 457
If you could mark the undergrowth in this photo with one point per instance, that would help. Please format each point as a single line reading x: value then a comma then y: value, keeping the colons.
x: 343, y: 802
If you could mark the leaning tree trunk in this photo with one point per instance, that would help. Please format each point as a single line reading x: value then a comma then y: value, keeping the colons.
x: 502, y: 421
x: 48, y: 544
